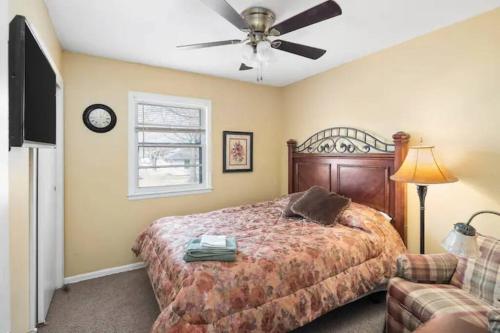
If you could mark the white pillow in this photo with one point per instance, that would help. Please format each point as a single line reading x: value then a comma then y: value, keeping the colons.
x: 387, y: 217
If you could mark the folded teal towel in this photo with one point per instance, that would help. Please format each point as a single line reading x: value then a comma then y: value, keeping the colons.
x: 220, y: 257
x: 195, y: 252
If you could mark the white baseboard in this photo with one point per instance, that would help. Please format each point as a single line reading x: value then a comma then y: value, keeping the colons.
x: 103, y: 272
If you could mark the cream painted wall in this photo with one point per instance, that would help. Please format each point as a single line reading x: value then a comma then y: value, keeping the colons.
x: 443, y: 87
x: 37, y: 14
x: 101, y: 223
x: 19, y: 203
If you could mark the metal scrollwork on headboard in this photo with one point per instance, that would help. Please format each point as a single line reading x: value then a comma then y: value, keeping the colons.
x: 343, y: 140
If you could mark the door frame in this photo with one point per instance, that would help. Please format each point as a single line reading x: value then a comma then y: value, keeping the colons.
x: 60, y: 182
x: 5, y: 320
x: 33, y: 174
x: 33, y: 306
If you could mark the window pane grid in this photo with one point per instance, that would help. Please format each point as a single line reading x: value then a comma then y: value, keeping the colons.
x: 161, y: 164
x: 170, y: 139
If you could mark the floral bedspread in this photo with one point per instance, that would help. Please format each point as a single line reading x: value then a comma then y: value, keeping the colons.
x: 287, y: 273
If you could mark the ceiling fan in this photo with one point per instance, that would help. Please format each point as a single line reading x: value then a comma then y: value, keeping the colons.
x: 258, y: 24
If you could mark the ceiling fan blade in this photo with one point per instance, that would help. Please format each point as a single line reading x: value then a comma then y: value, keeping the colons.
x: 244, y: 67
x: 321, y: 12
x: 210, y: 44
x: 298, y: 49
x: 229, y: 13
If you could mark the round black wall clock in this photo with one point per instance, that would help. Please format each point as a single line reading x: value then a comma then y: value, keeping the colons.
x: 99, y: 118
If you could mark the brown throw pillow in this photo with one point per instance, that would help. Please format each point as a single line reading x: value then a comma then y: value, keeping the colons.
x: 287, y: 211
x: 320, y: 205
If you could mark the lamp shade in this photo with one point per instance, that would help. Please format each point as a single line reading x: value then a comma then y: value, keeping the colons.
x: 460, y: 244
x: 422, y: 167
x: 462, y: 239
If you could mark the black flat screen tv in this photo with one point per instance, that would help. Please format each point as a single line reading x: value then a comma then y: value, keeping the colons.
x: 32, y: 89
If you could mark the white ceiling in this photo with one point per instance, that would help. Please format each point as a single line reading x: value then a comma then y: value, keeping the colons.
x: 148, y: 31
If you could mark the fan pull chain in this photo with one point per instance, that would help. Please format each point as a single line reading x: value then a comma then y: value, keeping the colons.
x: 260, y: 77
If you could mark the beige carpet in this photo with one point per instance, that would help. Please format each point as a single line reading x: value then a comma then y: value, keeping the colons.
x: 124, y: 303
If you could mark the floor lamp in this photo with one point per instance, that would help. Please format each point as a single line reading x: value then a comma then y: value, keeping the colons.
x: 422, y: 168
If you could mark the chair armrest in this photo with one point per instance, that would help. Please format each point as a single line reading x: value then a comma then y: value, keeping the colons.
x: 426, y: 268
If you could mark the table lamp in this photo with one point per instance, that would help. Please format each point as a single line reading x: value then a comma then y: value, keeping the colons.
x: 421, y: 167
x: 462, y: 239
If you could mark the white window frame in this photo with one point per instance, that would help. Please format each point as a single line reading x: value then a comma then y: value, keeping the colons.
x: 135, y: 192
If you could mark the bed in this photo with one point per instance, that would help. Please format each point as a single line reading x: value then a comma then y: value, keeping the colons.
x: 288, y: 271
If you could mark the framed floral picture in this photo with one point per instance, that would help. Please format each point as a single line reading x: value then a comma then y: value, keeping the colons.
x: 237, y: 153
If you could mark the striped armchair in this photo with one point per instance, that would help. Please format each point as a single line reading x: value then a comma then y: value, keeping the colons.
x: 431, y: 285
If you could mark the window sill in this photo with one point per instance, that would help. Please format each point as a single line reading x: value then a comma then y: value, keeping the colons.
x: 154, y: 195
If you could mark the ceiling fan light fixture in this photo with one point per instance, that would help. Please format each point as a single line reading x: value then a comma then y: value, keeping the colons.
x: 248, y: 54
x: 264, y: 51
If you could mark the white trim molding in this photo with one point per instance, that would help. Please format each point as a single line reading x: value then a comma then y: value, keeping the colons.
x: 33, y: 239
x: 60, y: 183
x: 5, y: 321
x: 103, y: 272
x: 205, y: 106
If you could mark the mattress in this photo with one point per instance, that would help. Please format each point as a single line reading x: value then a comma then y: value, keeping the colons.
x: 288, y: 271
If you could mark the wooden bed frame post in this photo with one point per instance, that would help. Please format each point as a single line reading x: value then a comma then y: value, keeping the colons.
x: 292, y: 144
x: 401, y: 140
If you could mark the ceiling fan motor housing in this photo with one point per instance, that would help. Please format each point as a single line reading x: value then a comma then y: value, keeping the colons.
x: 259, y: 19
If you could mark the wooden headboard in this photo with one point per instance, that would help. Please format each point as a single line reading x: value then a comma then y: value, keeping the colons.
x: 353, y: 163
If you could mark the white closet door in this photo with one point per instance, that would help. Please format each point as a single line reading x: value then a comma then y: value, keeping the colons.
x: 47, y: 231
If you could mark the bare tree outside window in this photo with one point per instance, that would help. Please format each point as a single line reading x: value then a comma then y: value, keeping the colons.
x: 169, y: 145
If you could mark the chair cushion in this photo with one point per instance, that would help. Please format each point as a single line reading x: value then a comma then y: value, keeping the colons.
x: 426, y: 301
x: 481, y: 276
x: 449, y: 323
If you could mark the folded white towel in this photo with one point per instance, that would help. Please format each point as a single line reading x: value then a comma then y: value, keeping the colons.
x: 213, y: 241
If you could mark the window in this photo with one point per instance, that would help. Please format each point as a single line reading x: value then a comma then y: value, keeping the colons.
x: 169, y: 151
